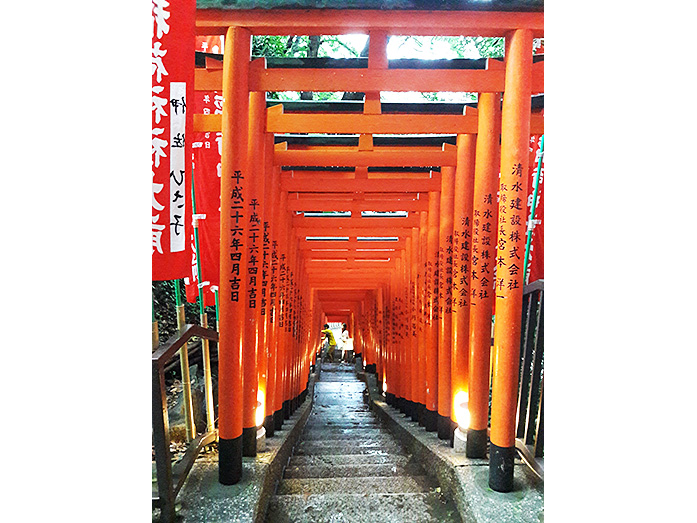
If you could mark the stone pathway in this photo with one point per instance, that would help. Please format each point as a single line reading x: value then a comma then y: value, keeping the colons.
x: 347, y: 468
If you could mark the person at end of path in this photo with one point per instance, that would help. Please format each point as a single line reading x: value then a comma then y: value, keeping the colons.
x: 328, y: 335
x: 345, y: 344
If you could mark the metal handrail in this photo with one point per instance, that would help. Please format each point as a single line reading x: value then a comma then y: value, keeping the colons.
x: 171, y: 479
x: 530, y: 423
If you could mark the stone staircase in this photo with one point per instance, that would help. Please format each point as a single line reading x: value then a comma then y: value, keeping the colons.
x: 347, y: 468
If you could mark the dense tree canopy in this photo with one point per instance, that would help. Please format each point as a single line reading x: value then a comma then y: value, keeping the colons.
x: 345, y: 47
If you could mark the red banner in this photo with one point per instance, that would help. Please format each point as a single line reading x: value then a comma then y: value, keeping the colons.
x: 207, y: 154
x: 536, y: 257
x: 173, y: 42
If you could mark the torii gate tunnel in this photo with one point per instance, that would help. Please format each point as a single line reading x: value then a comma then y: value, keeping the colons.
x: 367, y: 233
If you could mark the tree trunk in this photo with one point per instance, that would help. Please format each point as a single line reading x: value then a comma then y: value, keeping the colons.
x: 348, y: 95
x: 312, y: 50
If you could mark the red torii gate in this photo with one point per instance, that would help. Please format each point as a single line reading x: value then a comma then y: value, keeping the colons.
x: 251, y: 171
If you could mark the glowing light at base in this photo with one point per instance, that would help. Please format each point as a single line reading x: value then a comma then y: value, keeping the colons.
x: 384, y: 386
x: 462, y: 413
x: 260, y: 408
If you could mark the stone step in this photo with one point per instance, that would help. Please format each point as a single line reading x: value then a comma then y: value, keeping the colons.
x: 339, y: 386
x: 351, y: 471
x: 345, y: 422
x: 340, y: 413
x: 430, y: 507
x: 342, y: 398
x: 351, y: 425
x: 346, y: 402
x: 340, y: 408
x: 323, y: 433
x: 381, y: 449
x: 362, y: 485
x: 378, y: 439
x: 344, y: 460
x: 348, y: 425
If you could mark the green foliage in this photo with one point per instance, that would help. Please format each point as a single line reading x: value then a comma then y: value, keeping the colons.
x: 323, y: 97
x: 466, y: 46
x: 269, y: 45
x: 334, y: 46
x: 165, y: 308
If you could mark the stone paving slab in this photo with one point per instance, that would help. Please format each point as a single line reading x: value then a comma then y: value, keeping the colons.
x: 429, y: 507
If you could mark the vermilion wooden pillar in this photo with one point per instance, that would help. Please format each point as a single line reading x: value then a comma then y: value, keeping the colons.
x: 380, y: 334
x: 270, y: 203
x: 462, y: 247
x: 431, y: 413
x: 253, y: 244
x: 373, y: 330
x: 415, y: 310
x: 398, y: 347
x: 408, y: 344
x: 445, y: 244
x: 391, y: 381
x: 286, y: 303
x: 366, y: 335
x: 486, y: 182
x: 278, y: 247
x: 233, y: 189
x: 292, y: 326
x: 423, y: 315
x: 515, y: 135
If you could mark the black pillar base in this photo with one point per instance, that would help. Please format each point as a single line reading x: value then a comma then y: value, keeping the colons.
x: 444, y: 431
x: 415, y: 411
x: 421, y: 414
x: 501, y: 468
x: 476, y: 443
x: 278, y: 419
x: 430, y: 420
x: 402, y: 405
x: 230, y: 460
x: 249, y: 442
x: 286, y: 409
x: 269, y: 426
x: 406, y: 408
x: 390, y: 398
